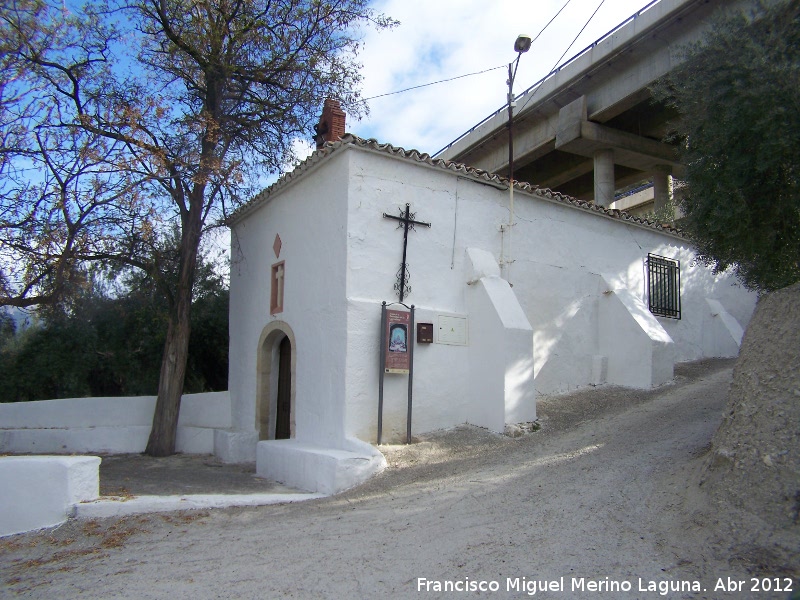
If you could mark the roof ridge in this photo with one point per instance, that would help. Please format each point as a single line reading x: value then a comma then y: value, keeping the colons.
x: 350, y: 139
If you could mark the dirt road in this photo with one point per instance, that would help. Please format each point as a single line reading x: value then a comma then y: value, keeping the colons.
x: 602, y: 502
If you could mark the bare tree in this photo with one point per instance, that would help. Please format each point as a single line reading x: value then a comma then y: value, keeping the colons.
x: 67, y: 195
x: 199, y: 97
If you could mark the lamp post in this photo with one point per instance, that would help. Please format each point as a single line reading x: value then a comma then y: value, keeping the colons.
x: 522, y: 44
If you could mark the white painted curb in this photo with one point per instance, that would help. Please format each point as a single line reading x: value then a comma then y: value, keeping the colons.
x: 119, y: 507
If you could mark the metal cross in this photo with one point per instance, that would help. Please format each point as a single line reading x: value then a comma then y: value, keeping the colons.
x: 407, y: 222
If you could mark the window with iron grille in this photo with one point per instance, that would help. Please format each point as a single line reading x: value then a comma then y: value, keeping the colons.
x: 664, y: 286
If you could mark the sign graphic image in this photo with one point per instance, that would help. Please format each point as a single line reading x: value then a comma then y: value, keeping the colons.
x: 397, y: 339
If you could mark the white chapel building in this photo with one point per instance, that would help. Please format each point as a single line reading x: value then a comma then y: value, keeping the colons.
x: 571, y: 295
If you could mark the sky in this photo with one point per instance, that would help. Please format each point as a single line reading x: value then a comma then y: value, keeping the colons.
x: 441, y: 39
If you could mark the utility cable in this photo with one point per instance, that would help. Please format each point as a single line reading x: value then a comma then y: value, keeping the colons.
x: 565, y: 52
x: 550, y: 21
x: 469, y: 74
x: 435, y: 82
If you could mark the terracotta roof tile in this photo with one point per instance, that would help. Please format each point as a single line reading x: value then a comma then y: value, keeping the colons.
x: 413, y: 155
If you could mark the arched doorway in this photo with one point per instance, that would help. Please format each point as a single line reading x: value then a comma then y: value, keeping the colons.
x: 275, y: 399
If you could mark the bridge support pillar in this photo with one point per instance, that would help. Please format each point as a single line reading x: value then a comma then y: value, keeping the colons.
x: 604, y: 177
x: 662, y: 188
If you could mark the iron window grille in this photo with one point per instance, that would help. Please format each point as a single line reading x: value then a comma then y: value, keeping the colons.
x: 664, y: 286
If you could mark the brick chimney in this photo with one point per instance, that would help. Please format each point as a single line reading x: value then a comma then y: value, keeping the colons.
x: 331, y: 124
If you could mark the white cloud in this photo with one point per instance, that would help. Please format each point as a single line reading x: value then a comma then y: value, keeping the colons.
x: 447, y: 38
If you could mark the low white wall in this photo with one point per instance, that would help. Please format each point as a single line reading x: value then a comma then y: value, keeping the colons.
x: 40, y: 491
x: 108, y: 425
x: 211, y: 409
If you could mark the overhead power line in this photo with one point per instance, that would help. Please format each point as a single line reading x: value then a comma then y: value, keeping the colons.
x: 551, y: 20
x: 468, y: 74
x: 416, y: 87
x: 572, y: 43
x: 435, y: 82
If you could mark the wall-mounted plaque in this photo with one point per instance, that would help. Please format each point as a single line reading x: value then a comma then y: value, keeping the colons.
x: 277, y: 284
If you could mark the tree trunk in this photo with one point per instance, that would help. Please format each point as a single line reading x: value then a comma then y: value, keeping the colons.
x: 176, y: 347
x: 170, y: 383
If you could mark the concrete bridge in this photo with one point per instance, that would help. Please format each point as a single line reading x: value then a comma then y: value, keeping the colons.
x: 590, y: 128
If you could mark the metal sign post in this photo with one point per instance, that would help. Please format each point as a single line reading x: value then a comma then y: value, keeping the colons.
x: 410, y: 374
x: 382, y: 371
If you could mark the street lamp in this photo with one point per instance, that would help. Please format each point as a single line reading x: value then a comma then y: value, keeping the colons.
x: 522, y: 44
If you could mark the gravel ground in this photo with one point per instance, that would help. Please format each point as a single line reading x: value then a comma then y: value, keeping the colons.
x: 603, y: 501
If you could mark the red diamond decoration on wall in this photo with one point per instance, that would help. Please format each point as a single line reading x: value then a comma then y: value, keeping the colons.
x: 276, y: 246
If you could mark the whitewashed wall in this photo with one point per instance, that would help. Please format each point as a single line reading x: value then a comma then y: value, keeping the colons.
x: 452, y: 384
x: 310, y: 217
x: 566, y: 262
x: 338, y: 347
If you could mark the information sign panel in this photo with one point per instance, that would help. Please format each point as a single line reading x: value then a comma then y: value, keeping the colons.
x: 397, y: 338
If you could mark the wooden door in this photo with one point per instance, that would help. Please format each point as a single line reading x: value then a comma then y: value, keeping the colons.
x: 283, y: 429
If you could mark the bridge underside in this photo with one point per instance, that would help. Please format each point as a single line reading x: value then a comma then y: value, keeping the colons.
x: 567, y: 163
x: 591, y: 129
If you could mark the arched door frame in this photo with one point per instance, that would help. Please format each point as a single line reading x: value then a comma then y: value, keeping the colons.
x: 267, y: 382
